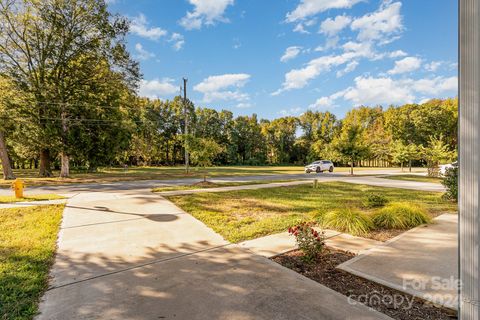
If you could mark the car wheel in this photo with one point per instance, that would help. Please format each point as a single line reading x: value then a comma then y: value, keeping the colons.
x: 307, y: 171
x: 318, y: 170
x: 331, y: 169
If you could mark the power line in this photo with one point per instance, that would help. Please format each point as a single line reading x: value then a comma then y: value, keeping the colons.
x: 91, y: 121
x: 91, y: 105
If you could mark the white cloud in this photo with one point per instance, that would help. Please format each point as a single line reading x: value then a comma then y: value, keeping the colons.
x: 244, y: 105
x: 424, y: 100
x: 381, y: 24
x: 397, y: 54
x: 435, y: 86
x: 139, y: 26
x: 407, y: 64
x: 178, y: 41
x: 386, y: 91
x: 453, y: 65
x: 433, y: 66
x: 361, y: 49
x: 373, y: 29
x: 308, y: 8
x: 223, y: 87
x: 299, y: 78
x: 290, y: 53
x: 141, y: 53
x: 300, y: 27
x: 331, y: 27
x: 378, y: 91
x: 326, y: 102
x: 206, y: 12
x: 237, y: 44
x: 330, y: 43
x: 321, y: 103
x: 157, y: 88
x: 349, y: 68
x: 290, y: 112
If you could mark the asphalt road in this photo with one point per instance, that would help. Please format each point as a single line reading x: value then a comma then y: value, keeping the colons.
x: 147, y: 185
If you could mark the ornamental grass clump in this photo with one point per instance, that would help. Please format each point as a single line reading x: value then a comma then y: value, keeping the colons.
x: 348, y: 220
x: 309, y: 241
x: 400, y: 215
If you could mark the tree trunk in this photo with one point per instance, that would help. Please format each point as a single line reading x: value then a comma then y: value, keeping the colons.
x: 409, y: 165
x: 5, y: 161
x: 65, y: 169
x: 65, y: 159
x: 401, y: 166
x: 351, y: 168
x: 45, y: 170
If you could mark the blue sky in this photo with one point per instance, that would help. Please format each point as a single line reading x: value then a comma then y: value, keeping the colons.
x: 283, y: 57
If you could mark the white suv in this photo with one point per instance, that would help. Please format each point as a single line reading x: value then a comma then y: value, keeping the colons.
x: 319, y: 166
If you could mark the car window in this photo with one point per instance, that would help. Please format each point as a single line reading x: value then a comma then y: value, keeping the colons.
x: 326, y: 162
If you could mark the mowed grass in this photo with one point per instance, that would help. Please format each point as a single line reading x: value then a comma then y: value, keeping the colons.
x: 105, y: 175
x: 39, y: 197
x: 248, y: 214
x: 209, y: 185
x: 27, y: 246
x: 412, y: 177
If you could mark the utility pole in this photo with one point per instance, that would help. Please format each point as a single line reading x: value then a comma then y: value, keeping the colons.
x: 185, y: 111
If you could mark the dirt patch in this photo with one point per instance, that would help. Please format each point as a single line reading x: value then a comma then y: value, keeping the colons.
x: 395, y: 304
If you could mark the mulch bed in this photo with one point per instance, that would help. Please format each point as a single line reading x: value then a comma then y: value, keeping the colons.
x: 395, y: 304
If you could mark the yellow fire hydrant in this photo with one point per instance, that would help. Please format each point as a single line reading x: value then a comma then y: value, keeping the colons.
x: 18, y: 187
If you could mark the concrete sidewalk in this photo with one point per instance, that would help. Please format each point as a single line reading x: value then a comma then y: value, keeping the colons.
x: 136, y: 256
x: 31, y: 203
x: 389, y: 183
x: 422, y: 262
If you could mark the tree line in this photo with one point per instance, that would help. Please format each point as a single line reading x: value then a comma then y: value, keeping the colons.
x: 68, y: 99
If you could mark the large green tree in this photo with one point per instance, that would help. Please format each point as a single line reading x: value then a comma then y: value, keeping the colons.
x: 351, y: 145
x: 50, y: 49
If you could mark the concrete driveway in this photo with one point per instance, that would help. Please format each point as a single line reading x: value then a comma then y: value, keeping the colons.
x: 131, y: 255
x: 422, y: 262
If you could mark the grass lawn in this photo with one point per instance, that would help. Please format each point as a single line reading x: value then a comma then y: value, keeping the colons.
x: 249, y: 214
x: 208, y: 185
x: 159, y: 173
x: 39, y: 197
x: 412, y: 177
x: 27, y: 246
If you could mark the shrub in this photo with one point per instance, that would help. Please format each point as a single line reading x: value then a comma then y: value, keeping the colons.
x: 309, y: 241
x: 374, y: 200
x: 450, y: 182
x: 349, y: 221
x: 400, y: 216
